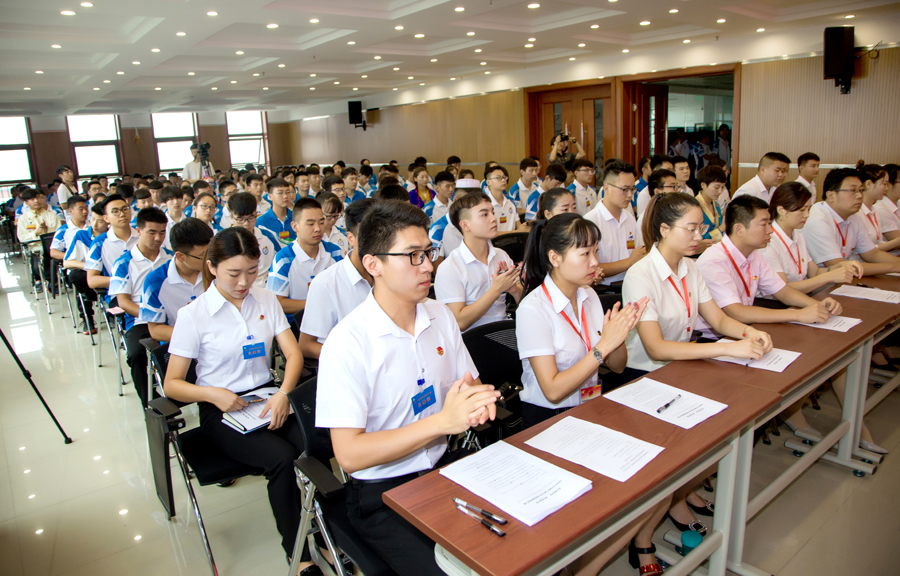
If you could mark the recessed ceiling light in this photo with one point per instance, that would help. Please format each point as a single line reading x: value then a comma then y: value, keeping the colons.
x: 336, y: 82
x: 420, y: 36
x: 673, y: 11
x: 351, y: 43
x: 421, y: 83
x: 154, y: 49
x: 181, y: 33
x: 39, y: 531
x: 157, y: 88
x: 760, y: 29
x: 470, y: 33
x: 120, y: 73
x: 189, y: 73
x: 410, y: 77
x: 212, y: 13
x: 487, y: 72
x: 55, y: 46
x: 377, y: 57
x: 38, y: 71
x: 365, y: 76
x: 281, y: 65
x: 484, y: 63
x: 313, y: 20
x: 312, y: 75
x: 395, y: 68
x: 645, y: 23
x: 712, y: 63
x: 478, y: 50
x: 686, y: 41
x: 532, y: 39
x: 453, y: 78
x: 398, y: 27
x: 581, y: 45
x: 239, y: 52
x: 355, y: 89
x: 87, y: 5
x: 572, y: 58
x: 434, y: 59
x: 256, y: 73
x: 67, y: 13
x: 312, y: 87
x: 625, y: 51
x: 529, y: 45
x: 136, y: 63
x: 271, y: 26
x: 213, y: 88
x: 721, y: 20
x: 848, y: 16
x: 234, y: 81
x: 459, y: 9
x: 395, y: 89
x: 594, y: 26
x: 96, y: 88
x: 26, y: 88
x: 533, y: 6
x: 106, y: 81
x: 138, y: 537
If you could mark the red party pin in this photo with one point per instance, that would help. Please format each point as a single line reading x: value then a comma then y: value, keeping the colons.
x: 262, y: 316
x: 440, y: 351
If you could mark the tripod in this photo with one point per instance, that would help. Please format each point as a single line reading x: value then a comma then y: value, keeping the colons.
x: 27, y: 375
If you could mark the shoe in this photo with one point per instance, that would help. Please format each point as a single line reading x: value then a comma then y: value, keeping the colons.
x: 808, y: 430
x: 646, y: 569
x: 38, y: 287
x: 310, y: 571
x: 872, y: 447
x: 706, y: 510
x: 696, y: 525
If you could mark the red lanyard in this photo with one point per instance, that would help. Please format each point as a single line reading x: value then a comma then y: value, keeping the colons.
x: 686, y: 297
x: 796, y: 260
x: 738, y: 270
x: 874, y: 223
x: 586, y: 337
x: 843, y: 238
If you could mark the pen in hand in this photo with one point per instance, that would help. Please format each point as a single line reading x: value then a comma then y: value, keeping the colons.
x: 667, y: 404
x: 483, y: 522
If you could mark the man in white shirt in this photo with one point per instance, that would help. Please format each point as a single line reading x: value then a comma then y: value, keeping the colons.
x: 888, y: 213
x: 127, y: 283
x: 338, y: 290
x: 553, y: 178
x: 773, y: 167
x: 106, y: 248
x: 585, y: 194
x: 242, y: 207
x: 496, y: 177
x: 444, y: 184
x: 808, y: 165
x: 682, y: 169
x: 474, y: 279
x: 619, y: 247
x: 197, y: 170
x: 171, y: 197
x: 31, y: 225
x: 833, y: 235
x: 657, y: 162
x: 254, y: 184
x: 662, y: 181
x: 408, y: 384
x: 76, y: 253
x: 527, y: 184
x: 735, y: 270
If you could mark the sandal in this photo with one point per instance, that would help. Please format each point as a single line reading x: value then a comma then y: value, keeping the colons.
x: 646, y: 569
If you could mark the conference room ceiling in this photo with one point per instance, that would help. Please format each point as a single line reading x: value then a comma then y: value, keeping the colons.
x: 123, y: 56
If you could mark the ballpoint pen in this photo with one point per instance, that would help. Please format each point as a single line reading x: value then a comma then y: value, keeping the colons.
x: 483, y: 522
x: 667, y: 404
x: 484, y: 513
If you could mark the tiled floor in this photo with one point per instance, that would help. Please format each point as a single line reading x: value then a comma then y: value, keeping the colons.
x: 89, y: 508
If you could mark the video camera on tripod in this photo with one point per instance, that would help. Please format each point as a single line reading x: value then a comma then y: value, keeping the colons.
x: 203, y: 149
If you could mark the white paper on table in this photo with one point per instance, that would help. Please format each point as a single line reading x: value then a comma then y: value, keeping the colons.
x: 647, y: 396
x: 777, y: 360
x: 867, y: 293
x: 522, y: 485
x: 836, y: 323
x: 605, y: 451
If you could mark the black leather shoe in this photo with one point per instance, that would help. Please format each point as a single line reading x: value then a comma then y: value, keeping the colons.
x: 706, y: 510
x: 696, y: 525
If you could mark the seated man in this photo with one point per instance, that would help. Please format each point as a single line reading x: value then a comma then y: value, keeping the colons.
x: 553, y: 178
x: 408, y: 384
x: 338, y: 290
x: 352, y: 190
x: 474, y: 279
x: 172, y: 199
x: 582, y: 186
x: 169, y: 288
x: 242, y: 207
x: 38, y: 220
x: 76, y: 254
x: 443, y: 235
x: 297, y: 264
x: 657, y: 162
x: 444, y: 184
x: 127, y: 283
x: 772, y: 169
x: 276, y: 223
x: 735, y: 271
x: 520, y: 191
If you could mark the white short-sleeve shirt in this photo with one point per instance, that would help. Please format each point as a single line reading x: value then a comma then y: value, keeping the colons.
x: 105, y: 250
x: 787, y: 254
x: 871, y: 223
x: 463, y: 278
x: 887, y: 215
x: 506, y: 213
x: 830, y: 237
x: 541, y: 330
x: 618, y: 238
x: 755, y: 187
x: 372, y: 388
x: 211, y: 330
x: 585, y: 198
x: 643, y: 200
x: 737, y: 283
x: 129, y: 273
x: 332, y: 296
x: 165, y: 292
x: 293, y: 270
x: 652, y: 277
x: 267, y: 252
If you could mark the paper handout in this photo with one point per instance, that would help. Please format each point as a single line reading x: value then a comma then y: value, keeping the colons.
x: 648, y: 396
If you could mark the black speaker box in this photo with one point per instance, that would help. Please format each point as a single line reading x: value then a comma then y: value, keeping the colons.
x: 839, y: 56
x: 355, y: 111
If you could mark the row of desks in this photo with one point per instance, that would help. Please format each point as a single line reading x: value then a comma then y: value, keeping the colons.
x: 753, y: 397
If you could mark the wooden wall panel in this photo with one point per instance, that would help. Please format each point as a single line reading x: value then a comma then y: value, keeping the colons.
x: 786, y: 105
x: 217, y: 136
x: 49, y: 150
x: 280, y: 149
x: 139, y: 154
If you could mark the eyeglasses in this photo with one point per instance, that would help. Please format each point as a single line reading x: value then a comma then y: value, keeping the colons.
x: 853, y: 191
x: 499, y: 178
x: 416, y: 257
x: 696, y: 230
x: 332, y: 216
x: 192, y: 256
x: 586, y: 170
x: 120, y: 211
x: 676, y: 187
x: 207, y: 206
x: 245, y: 221
x: 630, y: 190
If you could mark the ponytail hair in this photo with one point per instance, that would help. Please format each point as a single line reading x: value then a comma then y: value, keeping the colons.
x: 870, y: 172
x: 549, y: 199
x: 665, y: 209
x: 231, y: 242
x: 560, y: 233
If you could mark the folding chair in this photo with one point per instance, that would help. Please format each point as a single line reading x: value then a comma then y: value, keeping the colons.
x: 62, y: 277
x: 324, y: 508
x: 117, y: 339
x: 83, y: 304
x: 196, y: 456
x: 50, y: 284
x: 155, y: 374
x: 28, y: 250
x: 513, y: 243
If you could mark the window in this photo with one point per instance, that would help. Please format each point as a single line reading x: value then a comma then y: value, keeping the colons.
x: 95, y: 144
x: 15, y: 153
x: 174, y: 133
x: 246, y: 138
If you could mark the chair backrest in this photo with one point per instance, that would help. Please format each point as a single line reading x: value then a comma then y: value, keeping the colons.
x: 609, y: 300
x: 494, y: 351
x: 46, y: 240
x: 161, y: 357
x: 513, y: 244
x: 316, y: 441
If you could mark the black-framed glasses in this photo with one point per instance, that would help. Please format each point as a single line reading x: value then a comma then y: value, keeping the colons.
x: 628, y: 190
x: 331, y: 215
x: 120, y: 211
x: 246, y: 220
x: 192, y: 256
x: 416, y: 257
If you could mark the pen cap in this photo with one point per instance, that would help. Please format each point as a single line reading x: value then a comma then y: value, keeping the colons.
x: 689, y: 541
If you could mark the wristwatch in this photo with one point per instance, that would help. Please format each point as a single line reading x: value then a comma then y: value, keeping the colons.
x: 597, y: 355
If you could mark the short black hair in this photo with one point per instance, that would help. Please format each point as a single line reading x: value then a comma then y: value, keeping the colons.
x: 643, y: 162
x: 113, y: 197
x: 200, y: 185
x: 141, y: 194
x: 170, y: 193
x: 62, y: 168
x: 331, y: 181
x: 420, y: 160
x: 304, y: 204
x: 392, y: 192
x: 615, y: 168
x: 465, y: 202
x: 556, y: 172
x: 241, y: 205
x: 742, y: 210
x: 656, y: 178
x: 312, y: 170
x: 157, y: 185
x: 125, y: 190
x: 94, y: 181
x: 226, y: 184
x: 581, y: 163
x: 807, y: 157
x: 678, y: 160
x: 189, y: 233
x: 151, y: 214
x: 355, y: 213
x: 97, y: 209
x: 378, y: 230
x: 709, y: 174
x: 252, y: 178
x: 453, y: 160
x: 528, y: 163
x: 836, y: 177
x: 329, y: 200
x: 365, y: 170
x: 349, y: 172
x: 277, y: 183
x: 340, y: 163
x: 770, y: 157
x: 31, y: 193
x: 495, y: 168
x: 658, y: 160
x: 444, y: 176
x: 73, y: 200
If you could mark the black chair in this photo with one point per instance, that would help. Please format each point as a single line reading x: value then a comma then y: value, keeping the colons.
x: 513, y: 244
x: 324, y: 508
x: 495, y: 352
x: 609, y: 299
x: 196, y: 456
x: 50, y: 284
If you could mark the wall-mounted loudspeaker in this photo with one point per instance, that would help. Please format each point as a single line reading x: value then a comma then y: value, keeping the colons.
x: 355, y: 111
x: 839, y: 56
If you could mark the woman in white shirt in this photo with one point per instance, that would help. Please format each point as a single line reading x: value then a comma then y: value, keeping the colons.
x: 556, y: 201
x: 788, y: 257
x: 876, y: 184
x: 229, y: 331
x: 558, y: 327
x: 677, y: 293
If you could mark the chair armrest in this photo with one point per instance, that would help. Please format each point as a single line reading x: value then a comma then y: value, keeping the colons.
x: 323, y: 479
x: 164, y: 407
x: 149, y: 344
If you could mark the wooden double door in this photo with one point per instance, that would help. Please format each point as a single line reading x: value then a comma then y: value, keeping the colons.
x: 584, y: 113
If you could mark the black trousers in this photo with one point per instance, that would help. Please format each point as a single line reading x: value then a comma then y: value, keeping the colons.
x: 40, y: 262
x: 78, y: 278
x: 272, y: 450
x: 401, y: 545
x: 136, y: 356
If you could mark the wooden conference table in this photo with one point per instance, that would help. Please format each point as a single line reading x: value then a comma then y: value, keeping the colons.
x: 753, y: 397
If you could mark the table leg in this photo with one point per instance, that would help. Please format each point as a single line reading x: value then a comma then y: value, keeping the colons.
x: 739, y: 517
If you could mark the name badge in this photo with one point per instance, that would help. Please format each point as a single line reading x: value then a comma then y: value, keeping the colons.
x: 284, y: 234
x: 630, y: 244
x: 590, y: 393
x: 423, y: 400
x: 252, y: 351
x: 588, y: 202
x: 503, y: 219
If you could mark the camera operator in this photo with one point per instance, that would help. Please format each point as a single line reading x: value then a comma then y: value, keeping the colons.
x: 193, y: 171
x: 559, y: 150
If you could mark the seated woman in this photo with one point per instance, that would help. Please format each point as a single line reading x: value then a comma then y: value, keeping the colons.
x: 205, y: 208
x: 558, y: 327
x: 556, y: 201
x: 876, y: 184
x: 712, y: 181
x: 677, y: 293
x: 225, y: 329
